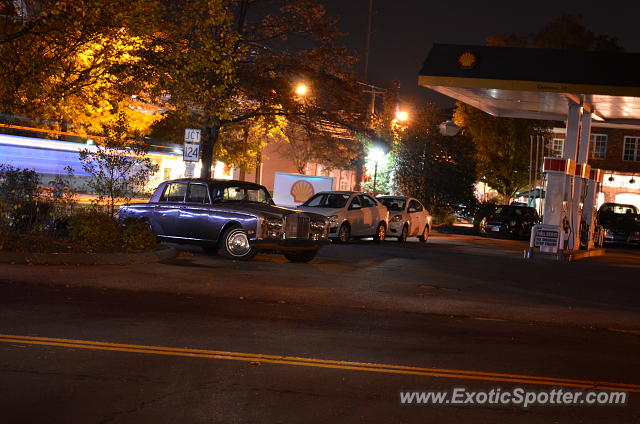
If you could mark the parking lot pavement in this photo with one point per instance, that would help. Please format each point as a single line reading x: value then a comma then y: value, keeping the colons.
x: 451, y: 274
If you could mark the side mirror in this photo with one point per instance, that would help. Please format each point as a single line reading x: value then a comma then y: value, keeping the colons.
x: 412, y: 210
x: 356, y: 206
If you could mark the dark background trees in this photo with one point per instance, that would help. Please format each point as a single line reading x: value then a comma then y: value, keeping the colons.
x: 439, y: 170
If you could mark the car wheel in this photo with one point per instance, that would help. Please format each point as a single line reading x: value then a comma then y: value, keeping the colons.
x: 404, y: 234
x: 234, y: 244
x: 425, y: 235
x: 344, y: 233
x: 381, y: 232
x: 301, y: 256
x: 518, y: 233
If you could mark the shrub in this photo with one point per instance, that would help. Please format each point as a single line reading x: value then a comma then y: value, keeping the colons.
x: 95, y: 228
x: 18, y: 185
x: 137, y: 235
x: 443, y: 216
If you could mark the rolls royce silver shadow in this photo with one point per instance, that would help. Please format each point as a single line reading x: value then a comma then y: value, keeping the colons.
x: 235, y: 217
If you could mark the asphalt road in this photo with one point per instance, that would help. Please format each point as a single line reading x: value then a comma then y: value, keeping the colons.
x: 91, y: 354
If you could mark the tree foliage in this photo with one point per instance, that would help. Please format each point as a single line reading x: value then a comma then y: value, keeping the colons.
x: 566, y: 32
x: 227, y: 66
x: 71, y: 60
x: 501, y: 145
x: 118, y: 167
x: 436, y: 169
x: 245, y: 72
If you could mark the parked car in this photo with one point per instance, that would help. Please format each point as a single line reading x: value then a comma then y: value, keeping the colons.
x: 511, y: 220
x: 351, y: 214
x: 481, y: 213
x: 236, y: 217
x: 621, y: 223
x: 407, y: 217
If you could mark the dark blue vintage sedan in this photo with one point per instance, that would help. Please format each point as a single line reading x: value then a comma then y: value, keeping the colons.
x: 236, y: 217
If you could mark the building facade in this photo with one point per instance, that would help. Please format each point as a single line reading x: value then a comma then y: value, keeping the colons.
x: 617, y: 152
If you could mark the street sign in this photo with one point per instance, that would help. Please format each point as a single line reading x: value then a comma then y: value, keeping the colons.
x: 191, y: 152
x: 191, y: 135
x: 547, y: 238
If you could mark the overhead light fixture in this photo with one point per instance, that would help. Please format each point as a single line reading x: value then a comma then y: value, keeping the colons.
x: 611, y: 179
x: 632, y: 181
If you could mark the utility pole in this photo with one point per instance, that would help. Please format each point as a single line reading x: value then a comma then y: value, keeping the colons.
x: 367, y: 45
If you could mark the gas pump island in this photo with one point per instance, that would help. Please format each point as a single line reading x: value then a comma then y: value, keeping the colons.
x: 584, y: 89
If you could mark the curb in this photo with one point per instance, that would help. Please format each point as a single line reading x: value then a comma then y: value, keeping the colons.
x: 564, y: 257
x: 87, y: 258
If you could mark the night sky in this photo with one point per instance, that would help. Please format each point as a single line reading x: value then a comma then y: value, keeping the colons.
x: 404, y: 30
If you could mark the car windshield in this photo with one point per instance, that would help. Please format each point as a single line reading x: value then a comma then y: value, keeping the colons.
x: 620, y: 209
x: 508, y: 210
x: 246, y: 194
x: 328, y: 200
x: 393, y: 203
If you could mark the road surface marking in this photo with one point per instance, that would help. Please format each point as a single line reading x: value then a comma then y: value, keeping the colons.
x: 321, y: 363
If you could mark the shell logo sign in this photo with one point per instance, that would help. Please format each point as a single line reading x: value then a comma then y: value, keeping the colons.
x: 290, y: 190
x: 301, y: 191
x: 467, y: 60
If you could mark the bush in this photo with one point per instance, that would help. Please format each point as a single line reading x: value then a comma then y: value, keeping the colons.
x: 137, y: 235
x: 443, y: 216
x: 18, y: 185
x: 100, y: 230
x: 95, y: 228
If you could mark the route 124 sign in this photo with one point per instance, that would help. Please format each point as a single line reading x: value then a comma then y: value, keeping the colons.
x: 191, y: 152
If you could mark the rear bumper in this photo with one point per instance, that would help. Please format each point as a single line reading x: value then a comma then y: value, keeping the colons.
x: 289, y: 245
x: 622, y: 239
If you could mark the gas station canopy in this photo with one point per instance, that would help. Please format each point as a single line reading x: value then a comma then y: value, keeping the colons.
x: 538, y: 83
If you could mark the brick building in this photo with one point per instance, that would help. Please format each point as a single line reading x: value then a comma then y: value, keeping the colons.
x: 617, y: 152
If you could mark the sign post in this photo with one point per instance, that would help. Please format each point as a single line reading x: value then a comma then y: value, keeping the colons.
x: 191, y: 150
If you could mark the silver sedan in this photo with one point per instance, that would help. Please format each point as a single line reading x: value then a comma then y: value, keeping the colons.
x: 350, y: 213
x: 407, y: 217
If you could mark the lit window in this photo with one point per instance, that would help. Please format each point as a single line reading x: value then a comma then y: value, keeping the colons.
x: 631, y: 149
x: 598, y: 146
x: 556, y: 147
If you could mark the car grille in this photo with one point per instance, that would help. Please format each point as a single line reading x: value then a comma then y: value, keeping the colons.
x: 296, y: 225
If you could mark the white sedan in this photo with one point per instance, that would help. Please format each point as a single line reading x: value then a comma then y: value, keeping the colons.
x: 350, y: 213
x: 407, y: 217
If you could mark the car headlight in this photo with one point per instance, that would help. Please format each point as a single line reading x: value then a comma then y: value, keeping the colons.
x: 607, y: 232
x: 274, y: 224
x: 333, y: 219
x: 317, y: 226
x: 396, y: 218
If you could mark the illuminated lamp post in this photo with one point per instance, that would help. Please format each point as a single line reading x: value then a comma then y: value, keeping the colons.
x: 376, y: 154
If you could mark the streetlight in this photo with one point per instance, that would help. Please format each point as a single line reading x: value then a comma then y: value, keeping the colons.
x: 376, y: 154
x: 301, y: 89
x: 402, y: 115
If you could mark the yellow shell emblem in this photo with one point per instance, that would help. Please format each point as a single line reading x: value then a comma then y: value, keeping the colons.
x: 302, y: 190
x: 467, y: 60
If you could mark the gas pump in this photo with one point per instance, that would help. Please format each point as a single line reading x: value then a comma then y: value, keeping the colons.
x: 581, y: 237
x: 593, y: 187
x: 553, y: 234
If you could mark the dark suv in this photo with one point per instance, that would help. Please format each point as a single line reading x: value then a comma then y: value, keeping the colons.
x: 621, y: 223
x: 512, y: 220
